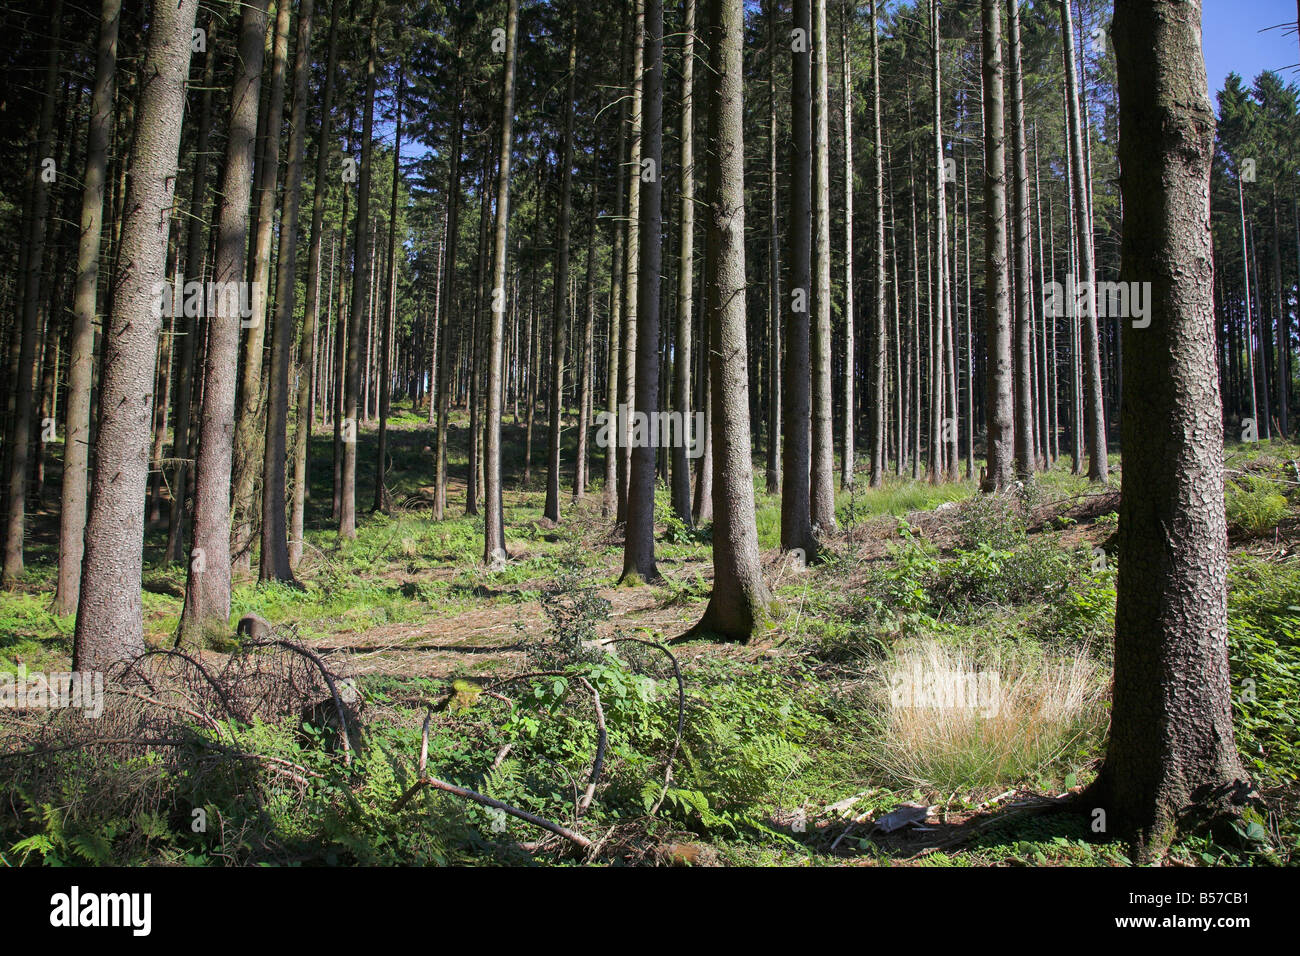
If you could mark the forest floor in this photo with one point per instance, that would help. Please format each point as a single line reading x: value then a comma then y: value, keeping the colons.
x: 795, y: 746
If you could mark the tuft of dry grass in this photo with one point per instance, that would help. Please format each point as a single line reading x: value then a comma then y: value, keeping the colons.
x: 949, y: 721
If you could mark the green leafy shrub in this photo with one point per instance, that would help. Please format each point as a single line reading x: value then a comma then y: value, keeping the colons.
x: 1254, y: 504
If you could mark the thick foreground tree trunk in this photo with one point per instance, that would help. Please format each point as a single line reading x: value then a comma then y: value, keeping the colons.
x: 1171, y: 758
x: 110, y: 623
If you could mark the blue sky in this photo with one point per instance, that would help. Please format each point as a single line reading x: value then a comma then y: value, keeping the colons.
x: 1236, y: 39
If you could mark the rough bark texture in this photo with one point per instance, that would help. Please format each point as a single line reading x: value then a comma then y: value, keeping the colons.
x: 1024, y: 406
x: 639, y: 546
x: 740, y: 601
x: 360, y: 282
x: 682, y: 361
x: 878, y: 345
x: 849, y: 347
x: 822, y: 487
x: 275, y: 564
x: 1094, y: 411
x: 560, y: 311
x: 110, y: 625
x: 307, y: 342
x: 998, y: 413
x: 796, y: 521
x: 249, y: 447
x: 21, y: 435
x: 494, y: 537
x: 81, y: 356
x: 207, y: 592
x: 1171, y: 757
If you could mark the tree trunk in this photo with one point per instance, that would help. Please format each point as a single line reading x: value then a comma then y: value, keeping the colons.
x: 822, y: 480
x: 361, y: 266
x: 385, y: 385
x: 681, y: 474
x: 1024, y: 409
x: 740, y: 601
x: 81, y: 357
x: 307, y: 342
x: 249, y: 447
x: 275, y: 564
x: 21, y: 434
x: 560, y: 310
x: 110, y: 623
x: 207, y: 592
x: 796, y: 521
x: 1171, y: 759
x: 494, y: 537
x: 1094, y: 418
x: 880, y: 336
x: 850, y: 346
x: 998, y: 414
x: 639, y: 543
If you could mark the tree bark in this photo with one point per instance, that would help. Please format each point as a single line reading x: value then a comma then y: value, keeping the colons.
x: 796, y: 520
x: 822, y: 480
x: 275, y: 563
x: 740, y: 602
x: 81, y: 357
x: 494, y: 537
x: 1000, y: 425
x: 639, y: 542
x: 207, y: 592
x: 110, y: 623
x: 307, y: 357
x: 1171, y: 760
x: 21, y: 435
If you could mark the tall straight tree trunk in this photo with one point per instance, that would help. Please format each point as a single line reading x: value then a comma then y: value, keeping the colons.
x: 880, y: 336
x: 385, y: 385
x: 274, y: 560
x: 586, y: 371
x: 850, y: 346
x: 249, y: 449
x: 680, y: 473
x: 1094, y: 417
x: 774, y: 344
x: 22, y: 434
x: 110, y: 613
x: 207, y: 591
x: 998, y: 414
x: 560, y: 310
x: 610, y: 500
x: 740, y: 601
x: 939, y: 302
x: 639, y: 542
x: 1024, y: 408
x: 494, y: 536
x: 444, y: 383
x: 822, y: 479
x: 361, y: 266
x: 81, y: 356
x: 1171, y: 758
x: 307, y: 342
x: 631, y: 260
x: 796, y: 520
x: 197, y: 234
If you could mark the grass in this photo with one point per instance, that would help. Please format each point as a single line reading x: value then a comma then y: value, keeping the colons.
x: 776, y: 731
